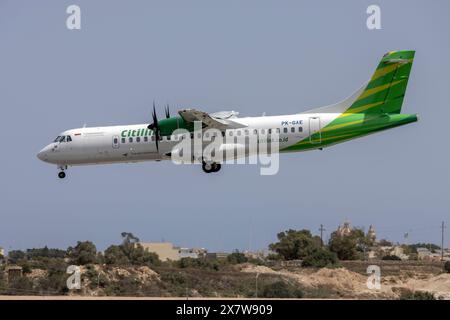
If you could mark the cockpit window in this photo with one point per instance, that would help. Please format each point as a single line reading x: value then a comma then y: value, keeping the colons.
x: 63, y: 139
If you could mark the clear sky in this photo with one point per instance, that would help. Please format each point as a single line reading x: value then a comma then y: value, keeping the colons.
x: 278, y: 57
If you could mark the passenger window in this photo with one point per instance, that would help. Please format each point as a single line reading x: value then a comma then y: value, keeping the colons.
x: 300, y: 129
x: 192, y: 135
x: 246, y: 132
x: 230, y: 133
x: 270, y: 131
x: 168, y: 138
x: 153, y: 138
x: 293, y: 129
x: 255, y: 131
x: 278, y: 130
x: 199, y: 135
x: 130, y: 140
x: 138, y: 139
x: 69, y: 139
x: 116, y: 140
x: 123, y: 140
x: 145, y: 139
x: 285, y: 130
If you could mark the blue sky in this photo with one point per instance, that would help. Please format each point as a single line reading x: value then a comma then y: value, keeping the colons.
x: 261, y: 56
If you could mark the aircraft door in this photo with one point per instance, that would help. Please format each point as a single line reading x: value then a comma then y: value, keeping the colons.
x: 115, y: 142
x: 315, y: 135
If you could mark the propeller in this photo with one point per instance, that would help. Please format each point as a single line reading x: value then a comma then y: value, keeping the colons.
x: 155, y: 127
x: 167, y: 111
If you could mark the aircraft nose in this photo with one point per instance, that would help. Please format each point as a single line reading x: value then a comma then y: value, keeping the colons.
x: 43, y: 154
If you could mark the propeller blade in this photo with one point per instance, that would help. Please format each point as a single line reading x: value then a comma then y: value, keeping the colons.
x: 155, y: 127
x: 167, y: 110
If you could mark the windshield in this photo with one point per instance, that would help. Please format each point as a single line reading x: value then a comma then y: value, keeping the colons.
x: 62, y: 139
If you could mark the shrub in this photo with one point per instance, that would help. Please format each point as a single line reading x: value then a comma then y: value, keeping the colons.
x: 320, y: 258
x: 280, y: 289
x: 236, y: 258
x: 447, y: 266
x: 391, y: 257
x: 417, y: 295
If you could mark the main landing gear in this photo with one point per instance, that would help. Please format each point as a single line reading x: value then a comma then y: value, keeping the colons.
x: 209, y: 167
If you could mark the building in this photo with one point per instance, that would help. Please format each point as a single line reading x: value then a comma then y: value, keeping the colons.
x: 217, y: 255
x: 167, y: 251
x: 344, y: 230
x: 371, y: 235
x: 13, y: 272
x: 2, y: 252
x: 194, y: 253
x: 164, y: 250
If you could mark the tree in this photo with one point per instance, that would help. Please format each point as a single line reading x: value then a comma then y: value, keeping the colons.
x: 84, y: 252
x: 320, y: 258
x: 15, y: 255
x: 130, y: 252
x: 348, y: 247
x: 115, y: 256
x: 295, y: 244
x: 237, y: 257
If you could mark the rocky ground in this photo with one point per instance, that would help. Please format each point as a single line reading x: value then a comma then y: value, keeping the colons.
x: 350, y: 284
x: 239, y: 280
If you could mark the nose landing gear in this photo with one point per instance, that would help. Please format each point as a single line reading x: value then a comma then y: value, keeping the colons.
x: 209, y: 167
x: 62, y: 174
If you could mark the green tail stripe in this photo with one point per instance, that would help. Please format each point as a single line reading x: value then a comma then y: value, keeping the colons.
x: 387, y: 86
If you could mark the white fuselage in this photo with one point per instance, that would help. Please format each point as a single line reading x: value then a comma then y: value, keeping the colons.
x: 115, y: 144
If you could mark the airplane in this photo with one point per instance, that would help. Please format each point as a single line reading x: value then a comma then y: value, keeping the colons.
x: 376, y: 106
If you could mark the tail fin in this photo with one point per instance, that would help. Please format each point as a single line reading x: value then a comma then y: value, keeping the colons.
x: 386, y: 89
x: 384, y: 92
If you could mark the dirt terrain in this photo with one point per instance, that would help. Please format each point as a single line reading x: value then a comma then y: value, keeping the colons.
x: 350, y: 284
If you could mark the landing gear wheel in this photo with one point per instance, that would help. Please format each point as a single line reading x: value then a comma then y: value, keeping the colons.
x: 207, y: 167
x: 216, y: 167
x: 62, y: 175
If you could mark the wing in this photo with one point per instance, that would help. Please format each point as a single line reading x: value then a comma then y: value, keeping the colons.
x: 209, y: 121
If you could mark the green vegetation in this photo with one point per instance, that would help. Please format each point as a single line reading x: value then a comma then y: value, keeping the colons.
x: 430, y: 246
x: 130, y: 252
x: 281, y: 289
x: 349, y: 247
x: 321, y: 258
x: 417, y: 295
x: 293, y: 244
x: 391, y: 257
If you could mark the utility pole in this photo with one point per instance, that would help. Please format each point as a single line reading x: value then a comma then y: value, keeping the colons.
x: 442, y: 241
x: 321, y: 229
